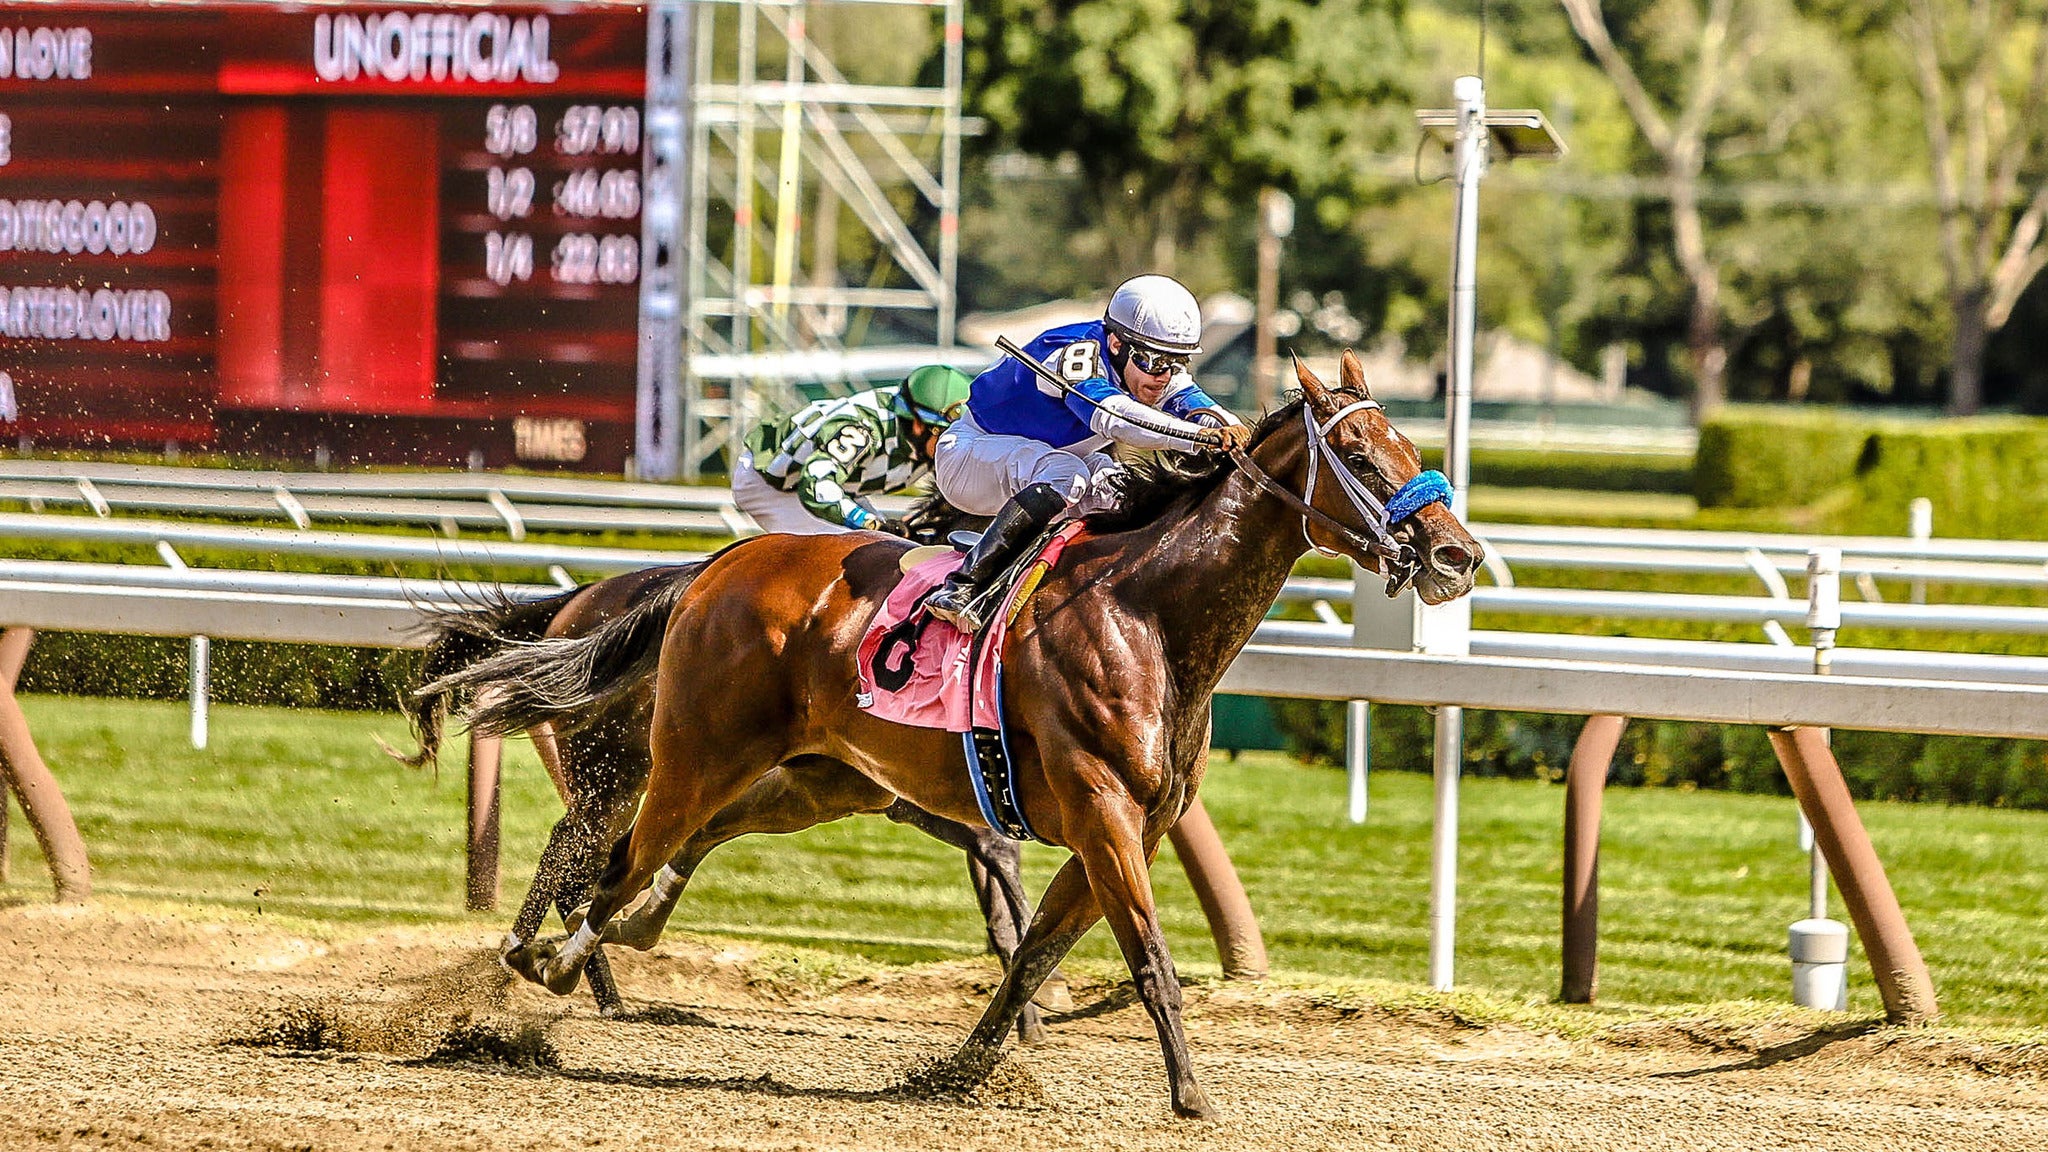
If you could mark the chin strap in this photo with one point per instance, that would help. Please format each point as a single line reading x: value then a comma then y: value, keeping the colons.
x: 1396, y: 561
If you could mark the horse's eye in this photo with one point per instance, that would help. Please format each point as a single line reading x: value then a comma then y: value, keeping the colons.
x: 1358, y: 462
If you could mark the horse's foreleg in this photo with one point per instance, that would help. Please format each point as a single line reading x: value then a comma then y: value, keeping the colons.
x: 1064, y: 916
x: 995, y: 869
x: 1119, y: 876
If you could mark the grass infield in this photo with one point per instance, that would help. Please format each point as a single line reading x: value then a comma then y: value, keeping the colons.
x: 296, y: 814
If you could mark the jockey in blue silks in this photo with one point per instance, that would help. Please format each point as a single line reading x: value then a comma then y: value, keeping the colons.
x: 1026, y: 453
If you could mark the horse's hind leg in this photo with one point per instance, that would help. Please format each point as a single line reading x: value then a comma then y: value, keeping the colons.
x: 803, y: 793
x: 602, y: 776
x: 685, y: 790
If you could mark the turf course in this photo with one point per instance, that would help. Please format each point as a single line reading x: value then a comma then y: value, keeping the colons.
x: 296, y: 814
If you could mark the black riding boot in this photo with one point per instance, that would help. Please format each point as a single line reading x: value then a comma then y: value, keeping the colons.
x: 1014, y: 527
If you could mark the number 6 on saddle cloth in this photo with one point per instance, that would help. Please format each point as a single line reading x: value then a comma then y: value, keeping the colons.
x: 917, y: 670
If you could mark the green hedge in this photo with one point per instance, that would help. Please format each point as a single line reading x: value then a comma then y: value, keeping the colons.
x: 1586, y: 471
x: 1878, y: 765
x: 1987, y: 477
x: 1755, y: 457
x: 1859, y: 473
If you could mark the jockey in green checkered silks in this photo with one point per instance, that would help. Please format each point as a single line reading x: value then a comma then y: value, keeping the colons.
x: 814, y: 471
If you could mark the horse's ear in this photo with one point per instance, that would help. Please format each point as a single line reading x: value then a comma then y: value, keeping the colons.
x: 1312, y: 390
x: 1351, y: 374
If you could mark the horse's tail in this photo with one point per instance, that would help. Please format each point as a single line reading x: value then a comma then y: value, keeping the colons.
x: 459, y: 638
x: 567, y: 680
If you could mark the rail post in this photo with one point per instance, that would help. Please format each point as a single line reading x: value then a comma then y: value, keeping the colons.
x: 1357, y: 757
x: 1229, y: 911
x: 1585, y: 783
x: 42, y: 802
x: 200, y: 661
x: 1819, y: 947
x: 1358, y: 713
x: 1920, y: 526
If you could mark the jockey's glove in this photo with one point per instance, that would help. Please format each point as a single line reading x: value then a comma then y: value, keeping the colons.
x: 1225, y: 437
x: 889, y: 524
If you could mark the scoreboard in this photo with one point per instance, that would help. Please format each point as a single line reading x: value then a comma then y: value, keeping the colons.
x: 406, y: 233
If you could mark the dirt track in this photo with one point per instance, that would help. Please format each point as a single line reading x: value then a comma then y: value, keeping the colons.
x: 119, y: 1029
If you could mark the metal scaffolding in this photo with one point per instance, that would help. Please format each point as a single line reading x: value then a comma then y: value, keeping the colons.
x: 885, y: 157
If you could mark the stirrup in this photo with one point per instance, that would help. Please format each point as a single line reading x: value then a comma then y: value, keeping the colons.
x: 967, y: 618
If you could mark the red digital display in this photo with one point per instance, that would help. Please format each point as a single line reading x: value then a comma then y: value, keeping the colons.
x: 405, y: 234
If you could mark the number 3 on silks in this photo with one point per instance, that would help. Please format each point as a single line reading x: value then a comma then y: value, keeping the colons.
x: 847, y: 445
x: 1074, y: 363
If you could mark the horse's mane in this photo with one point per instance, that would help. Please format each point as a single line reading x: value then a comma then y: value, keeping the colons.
x: 1150, y: 486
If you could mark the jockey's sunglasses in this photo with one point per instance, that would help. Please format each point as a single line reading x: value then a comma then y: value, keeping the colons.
x: 951, y: 413
x: 1156, y: 363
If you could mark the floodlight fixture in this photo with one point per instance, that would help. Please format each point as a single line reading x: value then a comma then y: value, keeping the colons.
x: 1517, y: 133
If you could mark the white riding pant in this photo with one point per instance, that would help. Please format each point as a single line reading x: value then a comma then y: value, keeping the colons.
x: 772, y: 508
x: 979, y: 471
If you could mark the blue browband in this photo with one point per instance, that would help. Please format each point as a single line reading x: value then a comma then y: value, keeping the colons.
x: 1427, y: 488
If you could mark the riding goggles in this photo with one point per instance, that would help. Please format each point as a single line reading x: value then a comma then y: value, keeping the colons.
x: 1156, y: 363
x: 929, y: 416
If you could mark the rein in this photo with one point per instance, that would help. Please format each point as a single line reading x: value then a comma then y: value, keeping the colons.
x: 1398, y: 562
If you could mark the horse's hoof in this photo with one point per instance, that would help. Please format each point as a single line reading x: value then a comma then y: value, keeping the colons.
x: 524, y: 959
x: 1195, y: 1106
x: 958, y: 1074
x: 538, y: 962
x: 560, y: 978
x: 1032, y: 1032
x: 1054, y: 995
x: 636, y: 926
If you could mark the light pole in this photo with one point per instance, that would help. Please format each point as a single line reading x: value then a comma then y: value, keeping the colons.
x: 1472, y: 135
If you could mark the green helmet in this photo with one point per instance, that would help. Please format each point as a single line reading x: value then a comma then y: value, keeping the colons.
x: 934, y: 394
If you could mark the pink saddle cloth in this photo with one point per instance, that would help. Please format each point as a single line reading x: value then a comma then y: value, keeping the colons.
x: 915, y: 669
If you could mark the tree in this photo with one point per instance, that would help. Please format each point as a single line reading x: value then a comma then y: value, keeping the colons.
x: 1177, y: 109
x: 1725, y: 44
x: 1981, y: 69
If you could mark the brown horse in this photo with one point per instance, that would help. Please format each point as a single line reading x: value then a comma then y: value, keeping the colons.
x: 1110, y: 668
x: 601, y: 758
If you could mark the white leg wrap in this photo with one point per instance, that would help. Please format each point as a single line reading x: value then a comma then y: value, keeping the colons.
x: 578, y: 946
x: 665, y: 885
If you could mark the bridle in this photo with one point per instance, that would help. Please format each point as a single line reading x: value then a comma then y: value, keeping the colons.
x: 1398, y: 562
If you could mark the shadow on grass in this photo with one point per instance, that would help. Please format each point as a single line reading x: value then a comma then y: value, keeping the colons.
x: 1780, y: 1053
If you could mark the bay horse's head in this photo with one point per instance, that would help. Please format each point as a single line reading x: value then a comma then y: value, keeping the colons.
x: 1381, y: 477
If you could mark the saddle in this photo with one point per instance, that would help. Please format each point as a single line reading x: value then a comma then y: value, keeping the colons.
x: 915, y: 669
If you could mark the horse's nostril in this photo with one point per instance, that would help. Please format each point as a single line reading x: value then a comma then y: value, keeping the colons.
x: 1451, y: 557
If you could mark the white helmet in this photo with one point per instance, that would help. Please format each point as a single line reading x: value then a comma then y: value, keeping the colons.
x: 1157, y: 312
